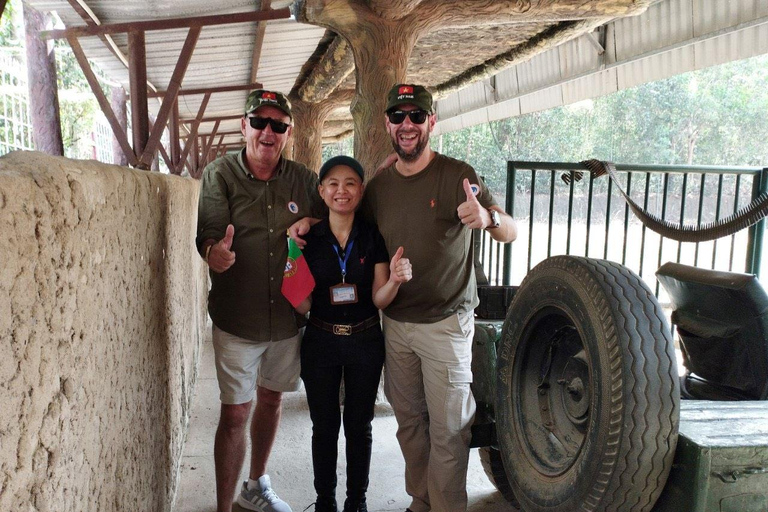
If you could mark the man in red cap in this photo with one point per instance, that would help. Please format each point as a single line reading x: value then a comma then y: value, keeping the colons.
x: 247, y: 201
x: 429, y: 204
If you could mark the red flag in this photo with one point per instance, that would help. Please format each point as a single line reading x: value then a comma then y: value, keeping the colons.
x: 405, y: 89
x: 298, y: 282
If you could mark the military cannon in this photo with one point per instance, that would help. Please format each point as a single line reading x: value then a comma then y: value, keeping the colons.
x: 585, y: 393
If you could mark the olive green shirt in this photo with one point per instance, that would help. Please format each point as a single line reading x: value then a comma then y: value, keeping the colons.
x: 246, y: 300
x: 419, y: 212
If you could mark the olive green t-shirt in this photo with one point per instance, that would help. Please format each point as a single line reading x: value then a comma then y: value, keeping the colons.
x: 246, y: 299
x: 419, y: 213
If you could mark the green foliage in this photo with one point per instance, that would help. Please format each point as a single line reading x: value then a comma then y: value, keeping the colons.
x: 715, y: 116
x: 343, y: 147
x: 77, y: 105
x: 12, y: 25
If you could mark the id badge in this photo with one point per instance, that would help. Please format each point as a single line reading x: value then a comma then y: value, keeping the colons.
x: 343, y: 293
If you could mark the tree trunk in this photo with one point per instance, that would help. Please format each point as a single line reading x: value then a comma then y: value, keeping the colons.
x: 43, y: 91
x: 119, y: 99
x: 308, y: 121
x: 381, y: 53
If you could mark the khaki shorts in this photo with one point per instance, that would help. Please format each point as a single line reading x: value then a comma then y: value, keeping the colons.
x: 241, y: 364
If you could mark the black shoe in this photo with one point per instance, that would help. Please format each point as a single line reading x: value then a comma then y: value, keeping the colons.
x: 323, y: 504
x: 355, y: 505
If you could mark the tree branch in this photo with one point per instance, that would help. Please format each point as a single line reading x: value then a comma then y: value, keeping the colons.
x: 553, y: 36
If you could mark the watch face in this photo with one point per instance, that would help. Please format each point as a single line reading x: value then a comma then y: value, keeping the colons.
x: 495, y: 219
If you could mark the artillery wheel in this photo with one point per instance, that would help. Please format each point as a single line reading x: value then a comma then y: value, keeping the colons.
x: 587, y: 400
x: 490, y: 458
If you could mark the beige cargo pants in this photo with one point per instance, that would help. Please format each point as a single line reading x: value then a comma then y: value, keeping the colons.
x: 428, y: 371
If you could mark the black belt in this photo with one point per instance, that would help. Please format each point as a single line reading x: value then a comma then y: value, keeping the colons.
x: 345, y: 329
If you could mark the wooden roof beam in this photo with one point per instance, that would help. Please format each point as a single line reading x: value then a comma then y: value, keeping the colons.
x: 2, y: 8
x: 212, y: 119
x: 171, y: 95
x: 259, y: 41
x: 204, y: 90
x: 106, y: 108
x: 192, y: 134
x: 91, y: 20
x: 168, y: 24
x: 231, y: 132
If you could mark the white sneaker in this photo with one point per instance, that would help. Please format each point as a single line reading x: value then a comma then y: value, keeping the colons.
x: 261, y: 498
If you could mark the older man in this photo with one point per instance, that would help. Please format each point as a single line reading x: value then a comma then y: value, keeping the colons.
x: 428, y: 203
x: 247, y: 201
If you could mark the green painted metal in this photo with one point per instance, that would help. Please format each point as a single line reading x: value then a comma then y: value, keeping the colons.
x: 755, y: 233
x: 721, y: 461
x: 510, y: 208
x: 484, y: 343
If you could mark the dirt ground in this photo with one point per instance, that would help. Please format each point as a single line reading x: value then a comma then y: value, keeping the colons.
x: 290, y: 466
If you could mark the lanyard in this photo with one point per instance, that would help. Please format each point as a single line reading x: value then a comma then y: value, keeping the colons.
x: 343, y: 263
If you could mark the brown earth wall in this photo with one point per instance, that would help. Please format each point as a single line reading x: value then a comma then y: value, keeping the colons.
x: 102, y: 312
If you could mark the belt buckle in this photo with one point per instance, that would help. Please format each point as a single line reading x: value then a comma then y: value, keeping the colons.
x: 342, y: 330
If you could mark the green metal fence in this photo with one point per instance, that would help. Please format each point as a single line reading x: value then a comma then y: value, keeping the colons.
x: 557, y: 213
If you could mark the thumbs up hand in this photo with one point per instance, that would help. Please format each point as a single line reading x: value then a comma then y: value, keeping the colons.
x: 400, y: 270
x: 471, y: 212
x: 220, y: 257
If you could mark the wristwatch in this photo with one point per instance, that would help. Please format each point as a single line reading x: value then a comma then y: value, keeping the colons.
x: 495, y: 220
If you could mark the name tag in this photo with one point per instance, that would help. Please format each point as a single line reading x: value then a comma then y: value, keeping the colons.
x: 343, y: 293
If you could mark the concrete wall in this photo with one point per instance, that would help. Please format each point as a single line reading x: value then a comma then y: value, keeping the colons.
x: 102, y: 311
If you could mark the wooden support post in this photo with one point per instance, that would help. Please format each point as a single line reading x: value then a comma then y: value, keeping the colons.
x: 117, y: 130
x: 175, y: 136
x: 43, y: 91
x: 192, y: 139
x: 137, y: 70
x: 2, y: 8
x: 259, y: 41
x: 207, y: 147
x: 120, y: 108
x: 170, y: 95
x: 195, y: 160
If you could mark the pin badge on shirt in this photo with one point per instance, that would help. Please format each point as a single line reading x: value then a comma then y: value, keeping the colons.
x: 293, y: 207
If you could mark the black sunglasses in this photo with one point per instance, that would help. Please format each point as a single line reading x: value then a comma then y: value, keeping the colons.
x: 259, y: 123
x: 416, y: 116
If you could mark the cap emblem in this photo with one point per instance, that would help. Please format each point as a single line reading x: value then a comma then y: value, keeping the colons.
x: 405, y: 89
x: 269, y: 96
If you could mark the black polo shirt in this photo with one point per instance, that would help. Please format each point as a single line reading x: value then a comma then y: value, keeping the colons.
x: 367, y: 249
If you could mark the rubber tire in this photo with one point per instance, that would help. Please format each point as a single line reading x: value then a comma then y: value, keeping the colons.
x: 627, y: 360
x: 493, y: 465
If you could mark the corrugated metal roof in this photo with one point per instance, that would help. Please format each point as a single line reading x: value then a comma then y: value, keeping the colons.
x: 671, y: 37
x: 222, y: 56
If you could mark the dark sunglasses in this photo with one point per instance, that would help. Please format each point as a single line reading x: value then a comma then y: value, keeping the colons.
x: 259, y: 123
x: 416, y: 116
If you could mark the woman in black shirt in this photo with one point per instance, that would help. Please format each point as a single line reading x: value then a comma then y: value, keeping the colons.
x: 343, y: 339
